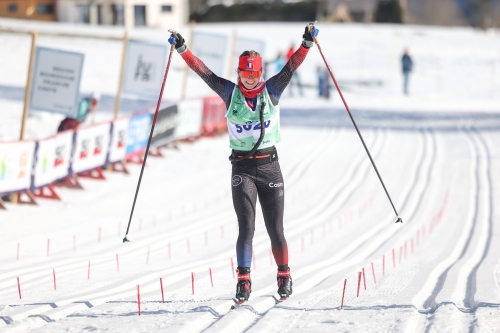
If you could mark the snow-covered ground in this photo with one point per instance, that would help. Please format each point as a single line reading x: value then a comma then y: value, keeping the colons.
x: 436, y: 150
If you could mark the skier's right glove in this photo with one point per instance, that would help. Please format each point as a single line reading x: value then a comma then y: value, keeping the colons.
x: 179, y: 42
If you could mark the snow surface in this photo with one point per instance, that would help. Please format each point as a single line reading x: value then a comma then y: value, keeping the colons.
x: 436, y: 150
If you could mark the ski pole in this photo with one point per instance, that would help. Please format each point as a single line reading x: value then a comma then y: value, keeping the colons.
x: 354, y: 123
x: 172, y: 47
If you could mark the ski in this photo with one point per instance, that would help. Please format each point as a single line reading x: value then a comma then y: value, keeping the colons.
x: 237, y: 303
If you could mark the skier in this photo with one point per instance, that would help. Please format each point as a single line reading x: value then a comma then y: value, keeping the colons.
x: 252, y: 109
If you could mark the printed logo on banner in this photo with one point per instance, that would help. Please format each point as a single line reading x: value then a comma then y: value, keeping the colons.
x: 59, y: 158
x: 3, y: 170
x: 98, y: 145
x: 85, y: 149
x: 143, y: 70
x: 22, y: 165
x: 121, y: 139
x: 138, y: 133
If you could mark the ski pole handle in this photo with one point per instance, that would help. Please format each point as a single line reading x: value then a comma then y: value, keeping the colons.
x: 311, y: 25
x: 173, y: 32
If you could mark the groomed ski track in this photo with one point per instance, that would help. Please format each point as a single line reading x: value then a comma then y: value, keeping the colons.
x: 439, y: 271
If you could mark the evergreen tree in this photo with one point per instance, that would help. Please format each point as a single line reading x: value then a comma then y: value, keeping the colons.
x: 389, y: 11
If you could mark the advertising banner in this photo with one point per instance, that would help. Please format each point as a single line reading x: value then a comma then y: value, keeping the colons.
x: 214, y: 111
x: 118, y: 147
x: 213, y: 57
x: 56, y: 81
x: 144, y: 68
x: 91, y: 147
x: 189, y: 119
x: 138, y: 133
x: 16, y: 164
x: 165, y: 126
x: 246, y: 44
x: 53, y: 158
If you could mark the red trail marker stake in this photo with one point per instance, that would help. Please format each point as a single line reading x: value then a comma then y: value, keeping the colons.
x: 232, y: 267
x: 343, y: 293
x: 364, y: 278
x: 117, y: 263
x: 359, y: 283
x: 303, y: 244
x: 192, y: 282
x: 48, y: 246
x: 393, y: 259
x: 19, y: 287
x: 400, y: 253
x: 139, y: 299
x: 211, y: 278
x: 54, y: 274
x: 188, y: 246
x: 373, y: 272
x: 412, y: 246
x: 162, y: 294
x: 88, y: 272
x: 147, y: 257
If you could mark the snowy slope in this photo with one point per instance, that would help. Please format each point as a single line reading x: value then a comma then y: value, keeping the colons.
x: 439, y: 271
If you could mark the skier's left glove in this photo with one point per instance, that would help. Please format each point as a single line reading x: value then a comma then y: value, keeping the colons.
x: 180, y: 43
x: 308, y: 36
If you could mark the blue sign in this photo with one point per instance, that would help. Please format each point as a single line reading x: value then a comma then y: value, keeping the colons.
x: 138, y: 133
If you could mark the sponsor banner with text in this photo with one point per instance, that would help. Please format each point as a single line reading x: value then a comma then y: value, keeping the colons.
x: 144, y: 68
x: 165, y: 126
x: 56, y: 81
x: 138, y: 133
x: 91, y: 147
x: 16, y: 164
x: 214, y: 57
x: 189, y: 119
x: 118, y: 147
x: 53, y: 158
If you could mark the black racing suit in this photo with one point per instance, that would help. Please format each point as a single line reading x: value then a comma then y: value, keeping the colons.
x: 254, y: 178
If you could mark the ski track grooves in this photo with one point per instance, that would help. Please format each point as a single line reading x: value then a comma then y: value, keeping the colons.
x: 463, y: 295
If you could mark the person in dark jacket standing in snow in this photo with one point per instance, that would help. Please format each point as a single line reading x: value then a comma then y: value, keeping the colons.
x: 252, y: 112
x: 407, y: 66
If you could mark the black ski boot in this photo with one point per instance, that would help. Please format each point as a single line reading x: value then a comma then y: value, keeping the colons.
x: 284, y: 284
x: 244, y: 286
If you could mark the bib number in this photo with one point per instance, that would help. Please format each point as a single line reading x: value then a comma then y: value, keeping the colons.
x: 240, y: 128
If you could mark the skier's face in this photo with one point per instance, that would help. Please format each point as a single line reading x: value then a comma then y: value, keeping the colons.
x: 250, y: 79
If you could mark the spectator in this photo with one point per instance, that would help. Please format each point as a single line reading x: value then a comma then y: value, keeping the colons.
x: 323, y: 82
x: 407, y: 65
x: 86, y: 107
x: 295, y: 77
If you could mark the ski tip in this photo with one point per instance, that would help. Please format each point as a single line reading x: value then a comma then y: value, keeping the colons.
x: 399, y: 220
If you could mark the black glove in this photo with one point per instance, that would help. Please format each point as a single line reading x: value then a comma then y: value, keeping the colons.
x: 179, y: 42
x: 308, y: 37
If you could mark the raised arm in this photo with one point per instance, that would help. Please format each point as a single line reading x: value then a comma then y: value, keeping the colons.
x: 222, y: 87
x: 277, y: 84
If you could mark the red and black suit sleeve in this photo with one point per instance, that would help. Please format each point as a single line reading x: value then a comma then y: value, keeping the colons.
x: 222, y: 87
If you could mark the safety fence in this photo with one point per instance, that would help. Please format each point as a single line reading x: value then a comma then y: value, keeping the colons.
x: 30, y: 165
